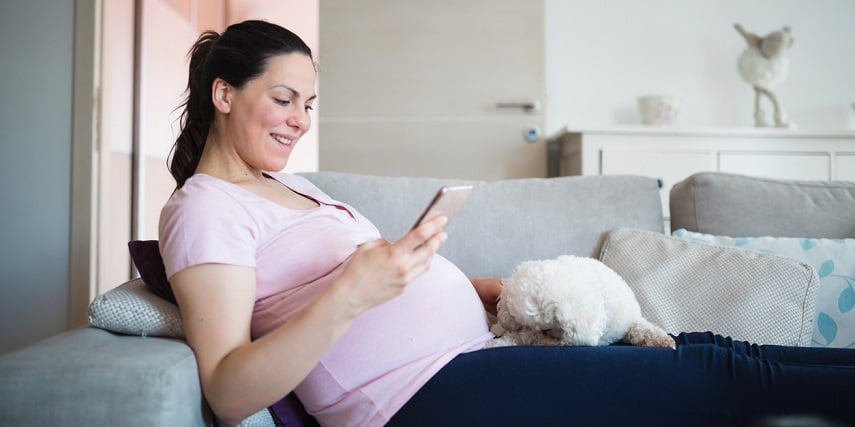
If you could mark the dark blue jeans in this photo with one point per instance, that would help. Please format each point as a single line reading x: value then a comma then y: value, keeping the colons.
x: 708, y: 381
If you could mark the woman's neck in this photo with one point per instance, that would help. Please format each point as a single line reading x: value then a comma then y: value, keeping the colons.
x: 222, y: 161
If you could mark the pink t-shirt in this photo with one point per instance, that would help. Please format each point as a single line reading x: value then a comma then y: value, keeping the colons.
x: 388, y: 353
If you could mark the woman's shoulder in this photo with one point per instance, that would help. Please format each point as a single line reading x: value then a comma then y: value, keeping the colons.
x: 202, y: 190
x: 206, y: 199
x: 205, y: 221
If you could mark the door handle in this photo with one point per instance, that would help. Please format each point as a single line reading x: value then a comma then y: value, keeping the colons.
x: 527, y: 105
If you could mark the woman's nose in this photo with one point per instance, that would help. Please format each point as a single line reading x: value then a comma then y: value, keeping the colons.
x: 300, y: 120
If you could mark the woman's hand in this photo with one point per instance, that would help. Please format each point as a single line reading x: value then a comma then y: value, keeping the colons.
x: 488, y: 289
x: 380, y: 270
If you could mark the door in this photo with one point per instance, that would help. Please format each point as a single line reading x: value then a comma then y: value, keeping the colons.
x: 414, y: 88
x: 668, y: 165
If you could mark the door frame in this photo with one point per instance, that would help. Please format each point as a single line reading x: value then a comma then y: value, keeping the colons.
x: 84, y: 154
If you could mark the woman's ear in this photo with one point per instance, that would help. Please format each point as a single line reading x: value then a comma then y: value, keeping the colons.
x: 221, y: 95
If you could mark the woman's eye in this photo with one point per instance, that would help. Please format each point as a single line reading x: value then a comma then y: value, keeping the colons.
x: 309, y: 108
x: 282, y: 101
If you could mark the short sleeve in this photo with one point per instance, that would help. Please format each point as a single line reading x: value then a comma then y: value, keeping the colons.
x: 204, y: 223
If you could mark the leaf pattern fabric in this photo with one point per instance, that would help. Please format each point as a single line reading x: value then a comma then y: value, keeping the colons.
x: 834, y: 261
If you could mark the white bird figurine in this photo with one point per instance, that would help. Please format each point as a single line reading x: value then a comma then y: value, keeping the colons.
x: 764, y: 65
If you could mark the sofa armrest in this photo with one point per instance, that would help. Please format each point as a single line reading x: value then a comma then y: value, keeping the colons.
x: 93, y: 377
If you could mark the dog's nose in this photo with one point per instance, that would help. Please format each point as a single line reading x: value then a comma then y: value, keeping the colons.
x: 557, y: 333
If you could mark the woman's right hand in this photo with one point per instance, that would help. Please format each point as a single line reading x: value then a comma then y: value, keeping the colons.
x: 379, y: 270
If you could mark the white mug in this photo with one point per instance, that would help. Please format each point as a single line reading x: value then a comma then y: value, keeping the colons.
x: 659, y: 110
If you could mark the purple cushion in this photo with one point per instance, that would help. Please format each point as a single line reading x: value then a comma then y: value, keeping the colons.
x: 146, y: 257
x: 290, y: 412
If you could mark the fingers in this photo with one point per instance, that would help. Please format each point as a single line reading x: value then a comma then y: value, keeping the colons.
x: 425, y: 233
x: 380, y: 270
x: 424, y: 241
x: 406, y: 258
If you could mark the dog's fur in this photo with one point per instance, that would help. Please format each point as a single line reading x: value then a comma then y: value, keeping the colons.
x: 571, y: 301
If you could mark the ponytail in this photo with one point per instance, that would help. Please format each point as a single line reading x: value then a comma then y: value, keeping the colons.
x: 236, y: 56
x: 198, y: 112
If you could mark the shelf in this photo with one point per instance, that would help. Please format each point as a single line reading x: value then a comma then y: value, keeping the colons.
x: 747, y: 132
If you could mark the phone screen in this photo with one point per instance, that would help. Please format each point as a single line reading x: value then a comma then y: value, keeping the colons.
x: 447, y: 201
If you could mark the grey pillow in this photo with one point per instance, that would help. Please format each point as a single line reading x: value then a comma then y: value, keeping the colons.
x: 737, y: 205
x: 133, y: 309
x: 689, y: 286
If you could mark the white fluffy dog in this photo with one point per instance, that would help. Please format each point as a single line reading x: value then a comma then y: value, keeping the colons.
x: 571, y: 301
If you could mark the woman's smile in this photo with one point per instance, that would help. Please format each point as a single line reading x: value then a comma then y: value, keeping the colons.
x: 282, y: 140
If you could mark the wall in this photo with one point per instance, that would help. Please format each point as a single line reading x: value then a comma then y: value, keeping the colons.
x: 163, y: 79
x: 35, y: 168
x: 114, y: 163
x: 602, y: 55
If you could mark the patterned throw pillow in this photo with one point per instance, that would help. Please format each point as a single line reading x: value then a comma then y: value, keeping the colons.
x: 834, y: 261
x: 133, y: 309
x: 686, y: 286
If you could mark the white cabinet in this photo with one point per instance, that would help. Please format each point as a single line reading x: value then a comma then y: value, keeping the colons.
x: 668, y: 167
x: 670, y: 155
x: 846, y: 166
x: 804, y: 166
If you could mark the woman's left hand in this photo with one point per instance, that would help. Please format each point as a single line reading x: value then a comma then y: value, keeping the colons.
x: 488, y: 289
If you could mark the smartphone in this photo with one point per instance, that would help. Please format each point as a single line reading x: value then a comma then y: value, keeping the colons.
x: 447, y: 201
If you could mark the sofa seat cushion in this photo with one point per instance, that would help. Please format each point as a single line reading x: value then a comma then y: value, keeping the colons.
x: 686, y: 286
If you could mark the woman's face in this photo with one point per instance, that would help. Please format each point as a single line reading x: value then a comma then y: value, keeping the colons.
x: 271, y: 112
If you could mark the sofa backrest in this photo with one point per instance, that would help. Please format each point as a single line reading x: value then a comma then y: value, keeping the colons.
x: 738, y: 205
x: 509, y: 221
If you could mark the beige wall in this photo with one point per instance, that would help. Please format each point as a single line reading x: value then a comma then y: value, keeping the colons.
x: 113, y: 162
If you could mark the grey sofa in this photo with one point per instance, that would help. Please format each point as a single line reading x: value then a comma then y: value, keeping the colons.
x: 95, y: 377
